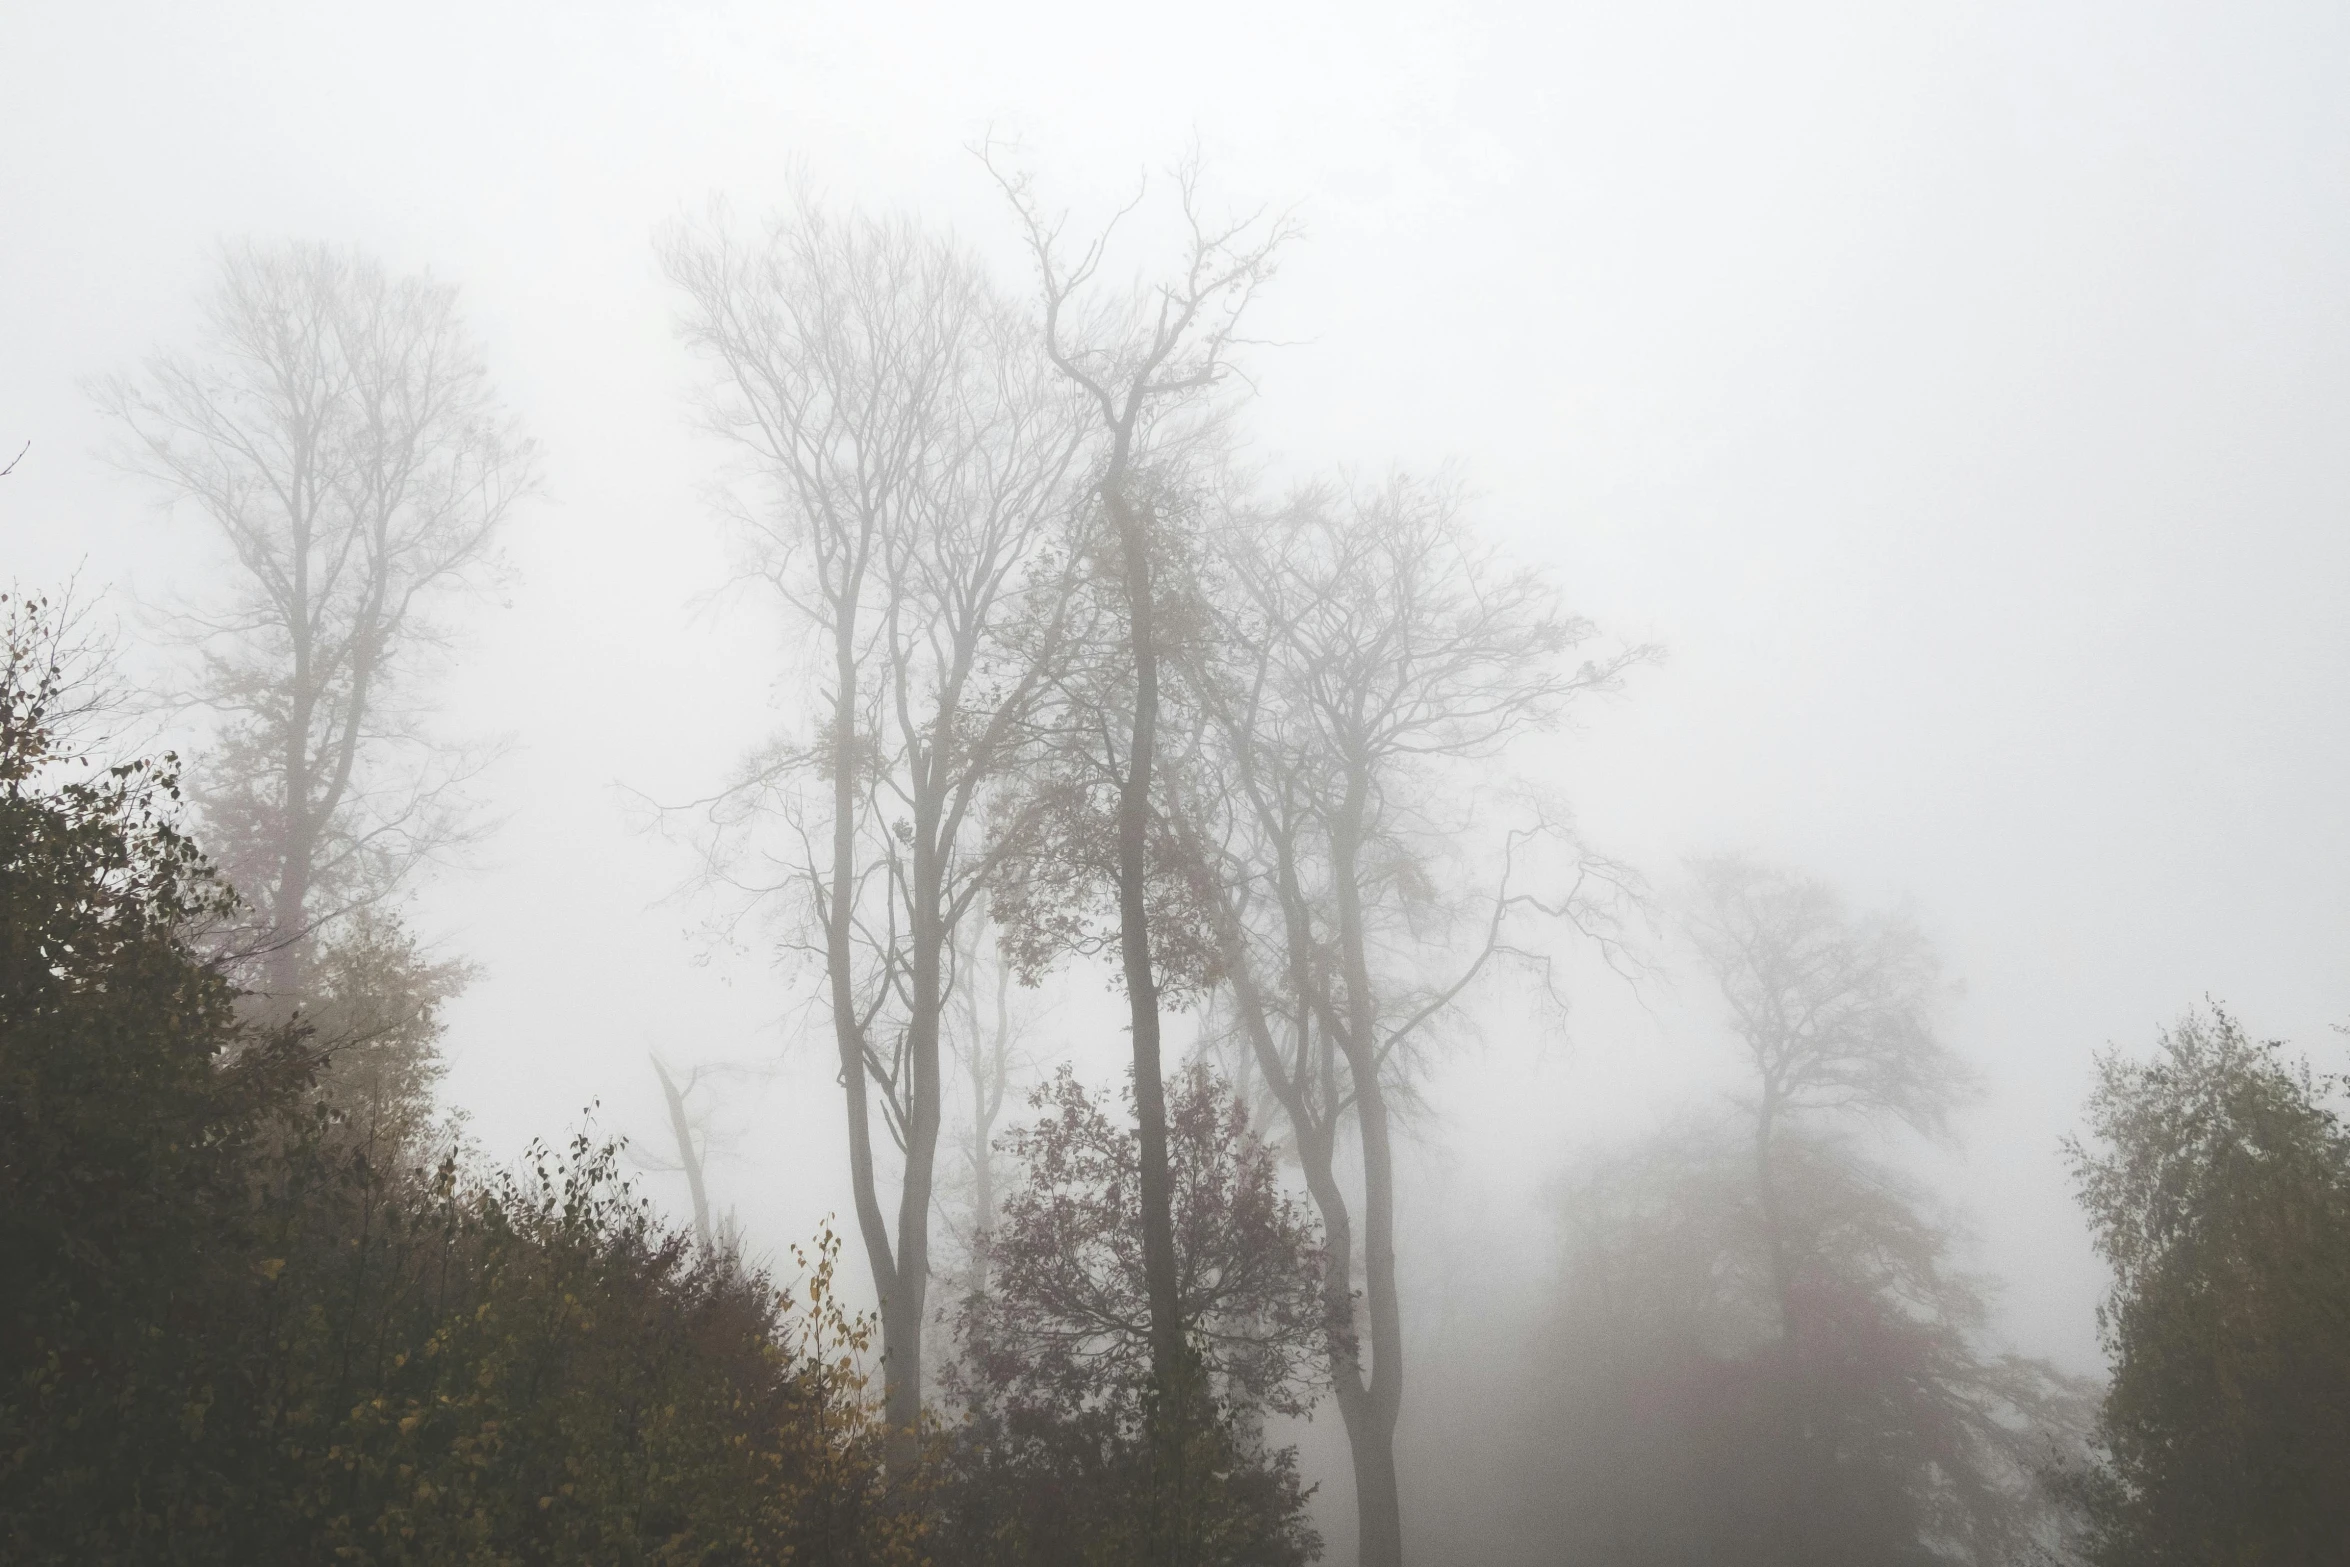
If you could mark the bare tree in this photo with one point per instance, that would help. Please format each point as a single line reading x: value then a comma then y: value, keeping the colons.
x: 1370, y: 660
x: 691, y: 1146
x: 913, y: 451
x: 1143, y: 364
x: 338, y: 427
x: 1836, y: 1014
x: 685, y: 1104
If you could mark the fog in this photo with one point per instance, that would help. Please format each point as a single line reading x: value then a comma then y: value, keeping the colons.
x: 1956, y: 395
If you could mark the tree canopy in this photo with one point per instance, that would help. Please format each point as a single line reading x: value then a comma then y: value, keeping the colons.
x: 2216, y: 1177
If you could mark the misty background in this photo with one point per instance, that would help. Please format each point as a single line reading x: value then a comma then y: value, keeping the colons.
x: 1958, y: 393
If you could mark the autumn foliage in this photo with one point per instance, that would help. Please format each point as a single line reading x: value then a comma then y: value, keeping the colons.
x: 236, y: 1328
x: 1053, y: 1460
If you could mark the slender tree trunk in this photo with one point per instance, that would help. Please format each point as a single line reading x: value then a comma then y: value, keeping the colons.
x: 1134, y: 941
x: 1368, y: 1405
x: 1369, y: 1421
x: 287, y: 919
x: 902, y: 1314
x: 982, y: 1193
x: 901, y: 1354
x: 988, y: 1071
x: 1171, y: 1526
x: 1378, y: 1502
x: 687, y: 1154
x: 297, y: 832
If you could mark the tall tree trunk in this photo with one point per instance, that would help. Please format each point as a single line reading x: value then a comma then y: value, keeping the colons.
x: 1368, y: 1404
x: 1378, y: 1502
x: 901, y: 1353
x: 297, y: 831
x: 1171, y: 1527
x: 1134, y: 940
x: 902, y: 1314
x: 988, y: 1072
x: 288, y: 919
x: 1369, y: 1422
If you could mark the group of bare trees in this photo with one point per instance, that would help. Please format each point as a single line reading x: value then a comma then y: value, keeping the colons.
x: 1076, y: 687
x: 1074, y: 679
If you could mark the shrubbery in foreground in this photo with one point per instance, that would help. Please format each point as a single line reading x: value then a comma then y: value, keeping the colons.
x: 235, y: 1326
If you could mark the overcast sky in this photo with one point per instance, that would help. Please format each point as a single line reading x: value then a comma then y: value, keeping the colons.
x: 1959, y: 392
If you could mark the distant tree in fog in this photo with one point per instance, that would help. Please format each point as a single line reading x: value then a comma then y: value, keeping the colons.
x: 373, y: 999
x: 337, y: 427
x: 983, y: 1039
x: 1836, y: 1015
x: 693, y: 1147
x: 2217, y: 1182
x: 1679, y: 1424
x: 1365, y: 660
x: 912, y: 455
x: 1765, y: 1349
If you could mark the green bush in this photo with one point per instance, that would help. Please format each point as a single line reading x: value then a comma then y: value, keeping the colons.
x: 238, y: 1329
x: 2218, y: 1186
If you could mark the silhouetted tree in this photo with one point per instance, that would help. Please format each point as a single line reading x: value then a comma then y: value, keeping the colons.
x: 1835, y: 1014
x: 914, y: 454
x: 691, y: 1146
x: 1364, y: 660
x: 1678, y: 1424
x: 1143, y: 363
x: 1768, y: 1352
x: 2217, y: 1182
x: 1059, y: 1456
x: 132, y: 1107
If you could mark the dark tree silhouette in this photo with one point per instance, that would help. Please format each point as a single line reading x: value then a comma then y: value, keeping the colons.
x: 2217, y: 1180
x: 1142, y: 364
x: 1062, y: 1456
